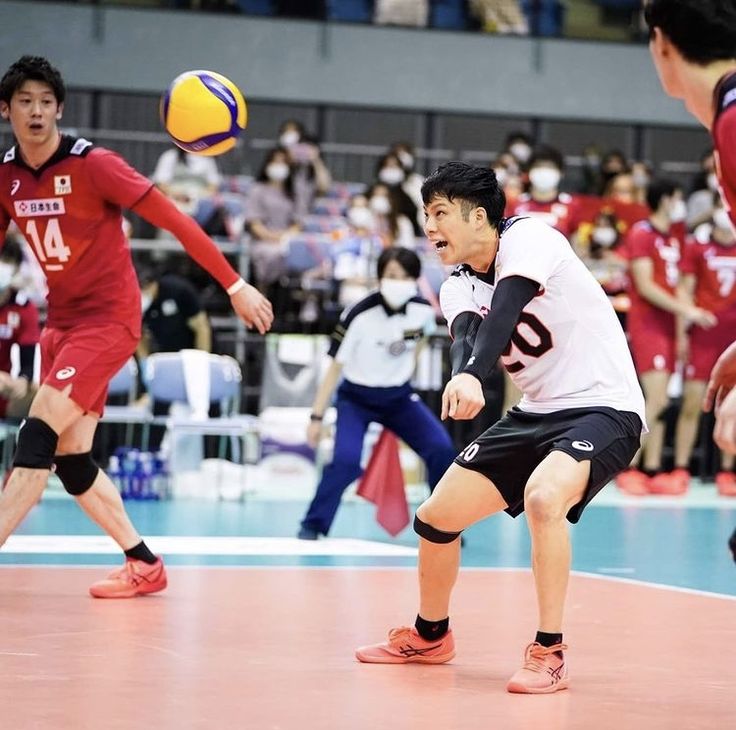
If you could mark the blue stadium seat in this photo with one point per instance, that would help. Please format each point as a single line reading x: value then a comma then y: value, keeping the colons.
x: 448, y: 14
x: 353, y: 11
x: 257, y: 7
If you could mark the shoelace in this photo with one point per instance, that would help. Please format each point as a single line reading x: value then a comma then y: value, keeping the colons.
x: 535, y: 655
x: 395, y: 636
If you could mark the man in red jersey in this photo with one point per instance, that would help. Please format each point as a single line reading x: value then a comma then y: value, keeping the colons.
x: 66, y: 195
x: 709, y: 278
x: 692, y: 44
x: 18, y: 326
x: 654, y: 254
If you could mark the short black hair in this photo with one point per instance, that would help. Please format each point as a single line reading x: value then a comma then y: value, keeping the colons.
x: 31, y: 68
x: 547, y: 153
x: 12, y: 251
x: 470, y: 183
x: 659, y: 189
x: 703, y: 31
x: 405, y: 257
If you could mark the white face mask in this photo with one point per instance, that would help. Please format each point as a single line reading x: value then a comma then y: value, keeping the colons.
x: 521, y: 151
x: 277, y: 171
x: 501, y: 175
x: 146, y: 302
x: 360, y: 217
x: 391, y: 175
x: 397, y: 292
x: 605, y: 236
x: 641, y: 179
x: 712, y: 181
x: 544, y: 179
x: 407, y: 159
x: 289, y: 138
x: 380, y: 205
x: 722, y: 220
x: 678, y: 211
x: 7, y: 272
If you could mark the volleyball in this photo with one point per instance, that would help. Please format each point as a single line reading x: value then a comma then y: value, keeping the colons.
x: 203, y: 112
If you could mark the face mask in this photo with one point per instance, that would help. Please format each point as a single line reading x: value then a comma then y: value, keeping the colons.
x: 712, y: 182
x: 397, y: 292
x: 391, y: 175
x: 521, y: 151
x: 605, y: 236
x: 406, y: 159
x: 146, y: 302
x: 544, y: 179
x: 502, y: 176
x: 7, y: 272
x: 289, y: 138
x: 722, y: 220
x: 380, y: 205
x: 277, y: 171
x: 360, y: 217
x: 678, y: 211
x: 641, y: 179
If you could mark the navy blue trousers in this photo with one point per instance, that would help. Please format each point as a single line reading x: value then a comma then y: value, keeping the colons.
x: 400, y: 410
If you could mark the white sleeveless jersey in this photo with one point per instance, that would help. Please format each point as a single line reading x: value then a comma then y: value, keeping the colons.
x: 568, y: 349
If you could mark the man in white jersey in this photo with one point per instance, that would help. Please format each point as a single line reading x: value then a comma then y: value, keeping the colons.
x: 519, y: 293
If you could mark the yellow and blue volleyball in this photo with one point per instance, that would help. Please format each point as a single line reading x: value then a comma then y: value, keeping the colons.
x: 203, y: 112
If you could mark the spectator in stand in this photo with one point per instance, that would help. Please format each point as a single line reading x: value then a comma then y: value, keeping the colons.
x: 18, y: 326
x: 519, y: 145
x: 654, y: 254
x: 390, y: 172
x: 700, y: 207
x: 412, y: 184
x: 544, y: 199
x: 394, y: 228
x: 509, y: 178
x: 613, y: 163
x: 500, y: 16
x: 310, y: 174
x: 709, y: 279
x: 271, y: 217
x: 621, y: 187
x: 401, y: 12
x: 592, y: 180
x: 186, y: 178
x: 641, y: 174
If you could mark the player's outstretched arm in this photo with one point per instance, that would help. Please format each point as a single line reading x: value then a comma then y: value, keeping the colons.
x: 464, y: 331
x: 722, y: 378
x: 249, y: 304
x: 463, y: 395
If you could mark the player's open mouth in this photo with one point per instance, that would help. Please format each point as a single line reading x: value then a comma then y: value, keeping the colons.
x: 439, y: 245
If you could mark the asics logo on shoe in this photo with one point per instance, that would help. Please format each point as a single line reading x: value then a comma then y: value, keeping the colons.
x: 556, y: 674
x: 408, y: 651
x: 583, y: 445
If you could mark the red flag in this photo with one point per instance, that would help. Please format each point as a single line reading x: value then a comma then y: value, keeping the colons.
x: 383, y: 484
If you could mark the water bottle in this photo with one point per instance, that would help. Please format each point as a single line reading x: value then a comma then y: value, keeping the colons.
x: 115, y: 473
x: 161, y: 482
x: 133, y: 473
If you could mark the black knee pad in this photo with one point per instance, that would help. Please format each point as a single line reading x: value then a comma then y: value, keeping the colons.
x: 432, y: 533
x: 77, y: 472
x: 36, y: 445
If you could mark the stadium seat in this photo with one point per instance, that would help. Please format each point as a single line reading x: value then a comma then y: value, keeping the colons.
x: 448, y: 14
x: 353, y: 11
x: 257, y: 7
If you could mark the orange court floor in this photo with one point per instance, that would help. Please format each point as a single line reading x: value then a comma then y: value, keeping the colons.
x: 258, y: 632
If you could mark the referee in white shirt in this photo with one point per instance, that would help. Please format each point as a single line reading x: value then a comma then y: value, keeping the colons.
x: 374, y: 347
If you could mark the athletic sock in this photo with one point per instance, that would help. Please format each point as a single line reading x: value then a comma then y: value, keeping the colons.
x: 141, y: 552
x: 431, y: 630
x: 546, y: 639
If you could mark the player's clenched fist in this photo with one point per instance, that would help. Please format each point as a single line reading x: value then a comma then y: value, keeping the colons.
x: 463, y: 397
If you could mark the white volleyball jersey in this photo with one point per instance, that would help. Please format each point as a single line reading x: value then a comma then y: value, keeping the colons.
x: 568, y: 349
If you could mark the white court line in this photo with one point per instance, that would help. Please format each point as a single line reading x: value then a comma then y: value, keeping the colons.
x: 207, y: 545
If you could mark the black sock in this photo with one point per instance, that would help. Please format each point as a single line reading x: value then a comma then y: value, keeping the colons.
x: 546, y: 639
x: 431, y: 630
x: 141, y: 552
x: 652, y: 472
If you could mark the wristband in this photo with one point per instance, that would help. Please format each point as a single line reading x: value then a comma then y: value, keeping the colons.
x: 236, y: 287
x: 315, y: 417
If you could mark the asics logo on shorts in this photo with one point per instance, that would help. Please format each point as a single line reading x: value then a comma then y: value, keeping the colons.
x: 583, y: 445
x: 66, y: 373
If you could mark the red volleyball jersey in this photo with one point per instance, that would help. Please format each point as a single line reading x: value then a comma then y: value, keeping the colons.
x: 560, y: 213
x: 724, y: 141
x: 69, y: 210
x: 714, y: 267
x: 645, y: 241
